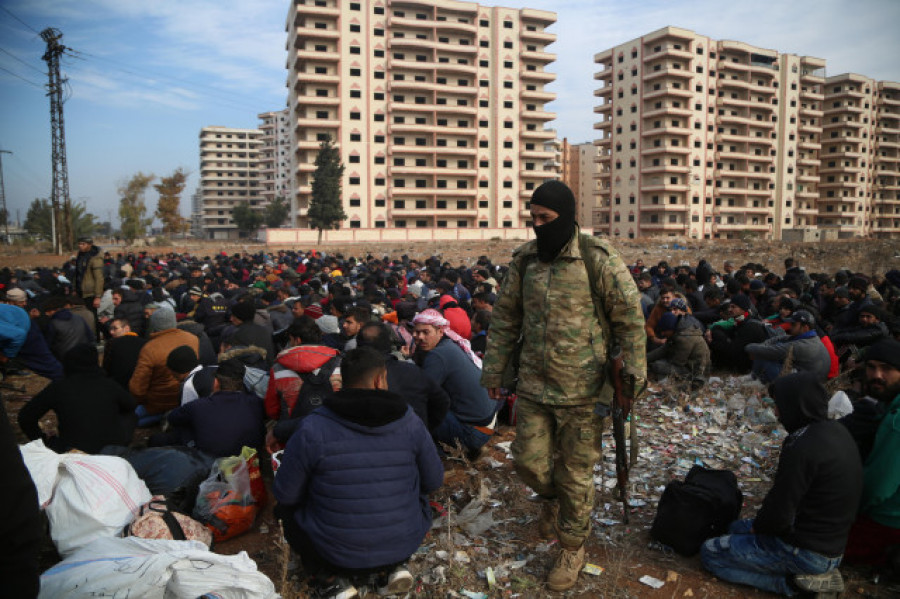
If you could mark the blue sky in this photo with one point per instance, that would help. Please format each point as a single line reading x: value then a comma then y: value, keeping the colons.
x: 149, y: 75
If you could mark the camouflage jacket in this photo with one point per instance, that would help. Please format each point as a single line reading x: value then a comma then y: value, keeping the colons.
x: 565, y: 346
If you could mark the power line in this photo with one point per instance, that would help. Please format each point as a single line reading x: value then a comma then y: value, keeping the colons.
x: 187, y: 83
x: 7, y: 11
x: 41, y: 87
x: 14, y: 57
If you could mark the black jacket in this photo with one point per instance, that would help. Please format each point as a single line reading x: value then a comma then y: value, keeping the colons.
x: 727, y: 347
x: 120, y: 356
x: 92, y: 410
x: 813, y: 501
x: 429, y: 401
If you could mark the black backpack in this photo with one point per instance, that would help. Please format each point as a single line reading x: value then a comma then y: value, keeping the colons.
x: 316, y: 387
x: 701, y: 507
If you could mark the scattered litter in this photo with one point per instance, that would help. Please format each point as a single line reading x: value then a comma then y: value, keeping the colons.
x: 648, y: 580
x: 473, y: 594
x: 671, y: 576
x: 491, y: 579
x: 461, y: 557
x: 688, y: 593
x: 593, y: 569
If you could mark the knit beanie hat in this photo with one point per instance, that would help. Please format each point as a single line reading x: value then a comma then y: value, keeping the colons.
x: 678, y: 304
x: 328, y: 324
x: 741, y: 301
x: 885, y: 350
x: 552, y: 237
x: 161, y: 320
x: 182, y: 359
x: 243, y: 311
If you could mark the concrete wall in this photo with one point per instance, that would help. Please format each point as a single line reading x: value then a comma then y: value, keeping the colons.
x: 307, y: 236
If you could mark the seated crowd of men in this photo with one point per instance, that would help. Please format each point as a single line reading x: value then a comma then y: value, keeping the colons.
x: 233, y: 351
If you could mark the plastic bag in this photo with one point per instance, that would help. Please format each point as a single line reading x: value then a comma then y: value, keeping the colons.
x: 89, y: 497
x: 154, y: 569
x: 225, y: 502
x: 257, y: 485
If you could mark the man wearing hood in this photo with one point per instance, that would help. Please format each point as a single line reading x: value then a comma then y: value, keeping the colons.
x: 567, y: 329
x: 92, y: 410
x: 796, y: 541
x: 685, y: 353
x: 353, y: 484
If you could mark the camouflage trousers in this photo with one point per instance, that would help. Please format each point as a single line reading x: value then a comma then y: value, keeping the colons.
x: 555, y: 450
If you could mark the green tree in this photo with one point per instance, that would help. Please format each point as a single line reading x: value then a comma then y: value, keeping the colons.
x: 246, y: 218
x: 37, y: 219
x: 326, y: 211
x: 276, y: 212
x: 132, y: 210
x: 168, y: 208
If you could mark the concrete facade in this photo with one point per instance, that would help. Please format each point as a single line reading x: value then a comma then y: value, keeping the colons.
x: 275, y: 169
x: 229, y: 175
x: 579, y: 170
x: 436, y: 107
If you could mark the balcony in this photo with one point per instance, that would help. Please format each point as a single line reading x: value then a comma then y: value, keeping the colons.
x: 310, y: 122
x: 662, y: 226
x: 539, y: 57
x: 442, y: 150
x: 301, y: 33
x: 450, y: 25
x: 307, y: 78
x: 307, y: 100
x: 605, y: 73
x: 668, y: 51
x: 430, y: 191
x: 665, y: 150
x: 537, y: 76
x: 537, y: 115
x: 668, y: 71
x: 666, y: 111
x: 540, y: 96
x: 537, y: 36
x: 666, y: 130
x: 307, y: 10
x: 538, y: 134
x: 666, y: 187
x: 667, y: 90
x: 665, y: 168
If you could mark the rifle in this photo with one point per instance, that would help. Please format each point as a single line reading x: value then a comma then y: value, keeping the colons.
x: 620, y: 409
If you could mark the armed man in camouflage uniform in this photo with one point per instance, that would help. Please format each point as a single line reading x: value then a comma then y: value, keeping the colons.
x: 546, y: 300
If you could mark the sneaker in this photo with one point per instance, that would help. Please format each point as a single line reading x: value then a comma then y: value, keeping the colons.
x: 333, y: 588
x: 398, y: 582
x: 829, y: 582
x: 565, y: 571
x: 547, y: 524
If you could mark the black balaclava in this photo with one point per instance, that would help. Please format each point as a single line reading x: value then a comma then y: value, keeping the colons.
x: 552, y: 237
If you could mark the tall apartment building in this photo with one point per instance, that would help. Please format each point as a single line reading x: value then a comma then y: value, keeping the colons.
x: 275, y: 155
x: 579, y: 171
x: 707, y: 138
x: 229, y: 175
x: 436, y: 106
x: 859, y: 191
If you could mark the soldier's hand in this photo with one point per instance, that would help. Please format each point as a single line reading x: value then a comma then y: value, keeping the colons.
x: 494, y: 392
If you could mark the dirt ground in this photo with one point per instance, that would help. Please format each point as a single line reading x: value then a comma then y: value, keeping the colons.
x: 675, y: 430
x: 868, y: 256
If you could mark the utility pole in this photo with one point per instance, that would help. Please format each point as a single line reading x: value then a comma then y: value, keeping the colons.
x: 3, y: 197
x: 59, y: 195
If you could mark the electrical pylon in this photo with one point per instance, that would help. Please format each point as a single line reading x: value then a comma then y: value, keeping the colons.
x: 59, y: 194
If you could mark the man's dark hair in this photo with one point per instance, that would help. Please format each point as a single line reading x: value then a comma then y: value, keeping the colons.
x: 306, y: 329
x: 359, y: 314
x: 483, y: 319
x: 712, y: 293
x: 359, y: 366
x: 733, y: 286
x: 342, y: 303
x: 55, y: 302
x: 375, y: 335
x: 483, y: 297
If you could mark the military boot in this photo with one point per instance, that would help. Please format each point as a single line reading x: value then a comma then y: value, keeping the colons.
x: 565, y: 571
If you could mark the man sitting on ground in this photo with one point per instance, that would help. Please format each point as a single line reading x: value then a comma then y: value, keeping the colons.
x: 807, y: 352
x: 223, y: 423
x: 796, y: 541
x: 448, y: 359
x: 353, y: 484
x: 121, y: 351
x: 92, y: 410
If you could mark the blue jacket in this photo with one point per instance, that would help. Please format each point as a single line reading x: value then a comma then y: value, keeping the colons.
x: 357, y: 474
x: 452, y: 369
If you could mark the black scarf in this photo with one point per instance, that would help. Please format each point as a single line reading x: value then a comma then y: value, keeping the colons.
x: 552, y: 237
